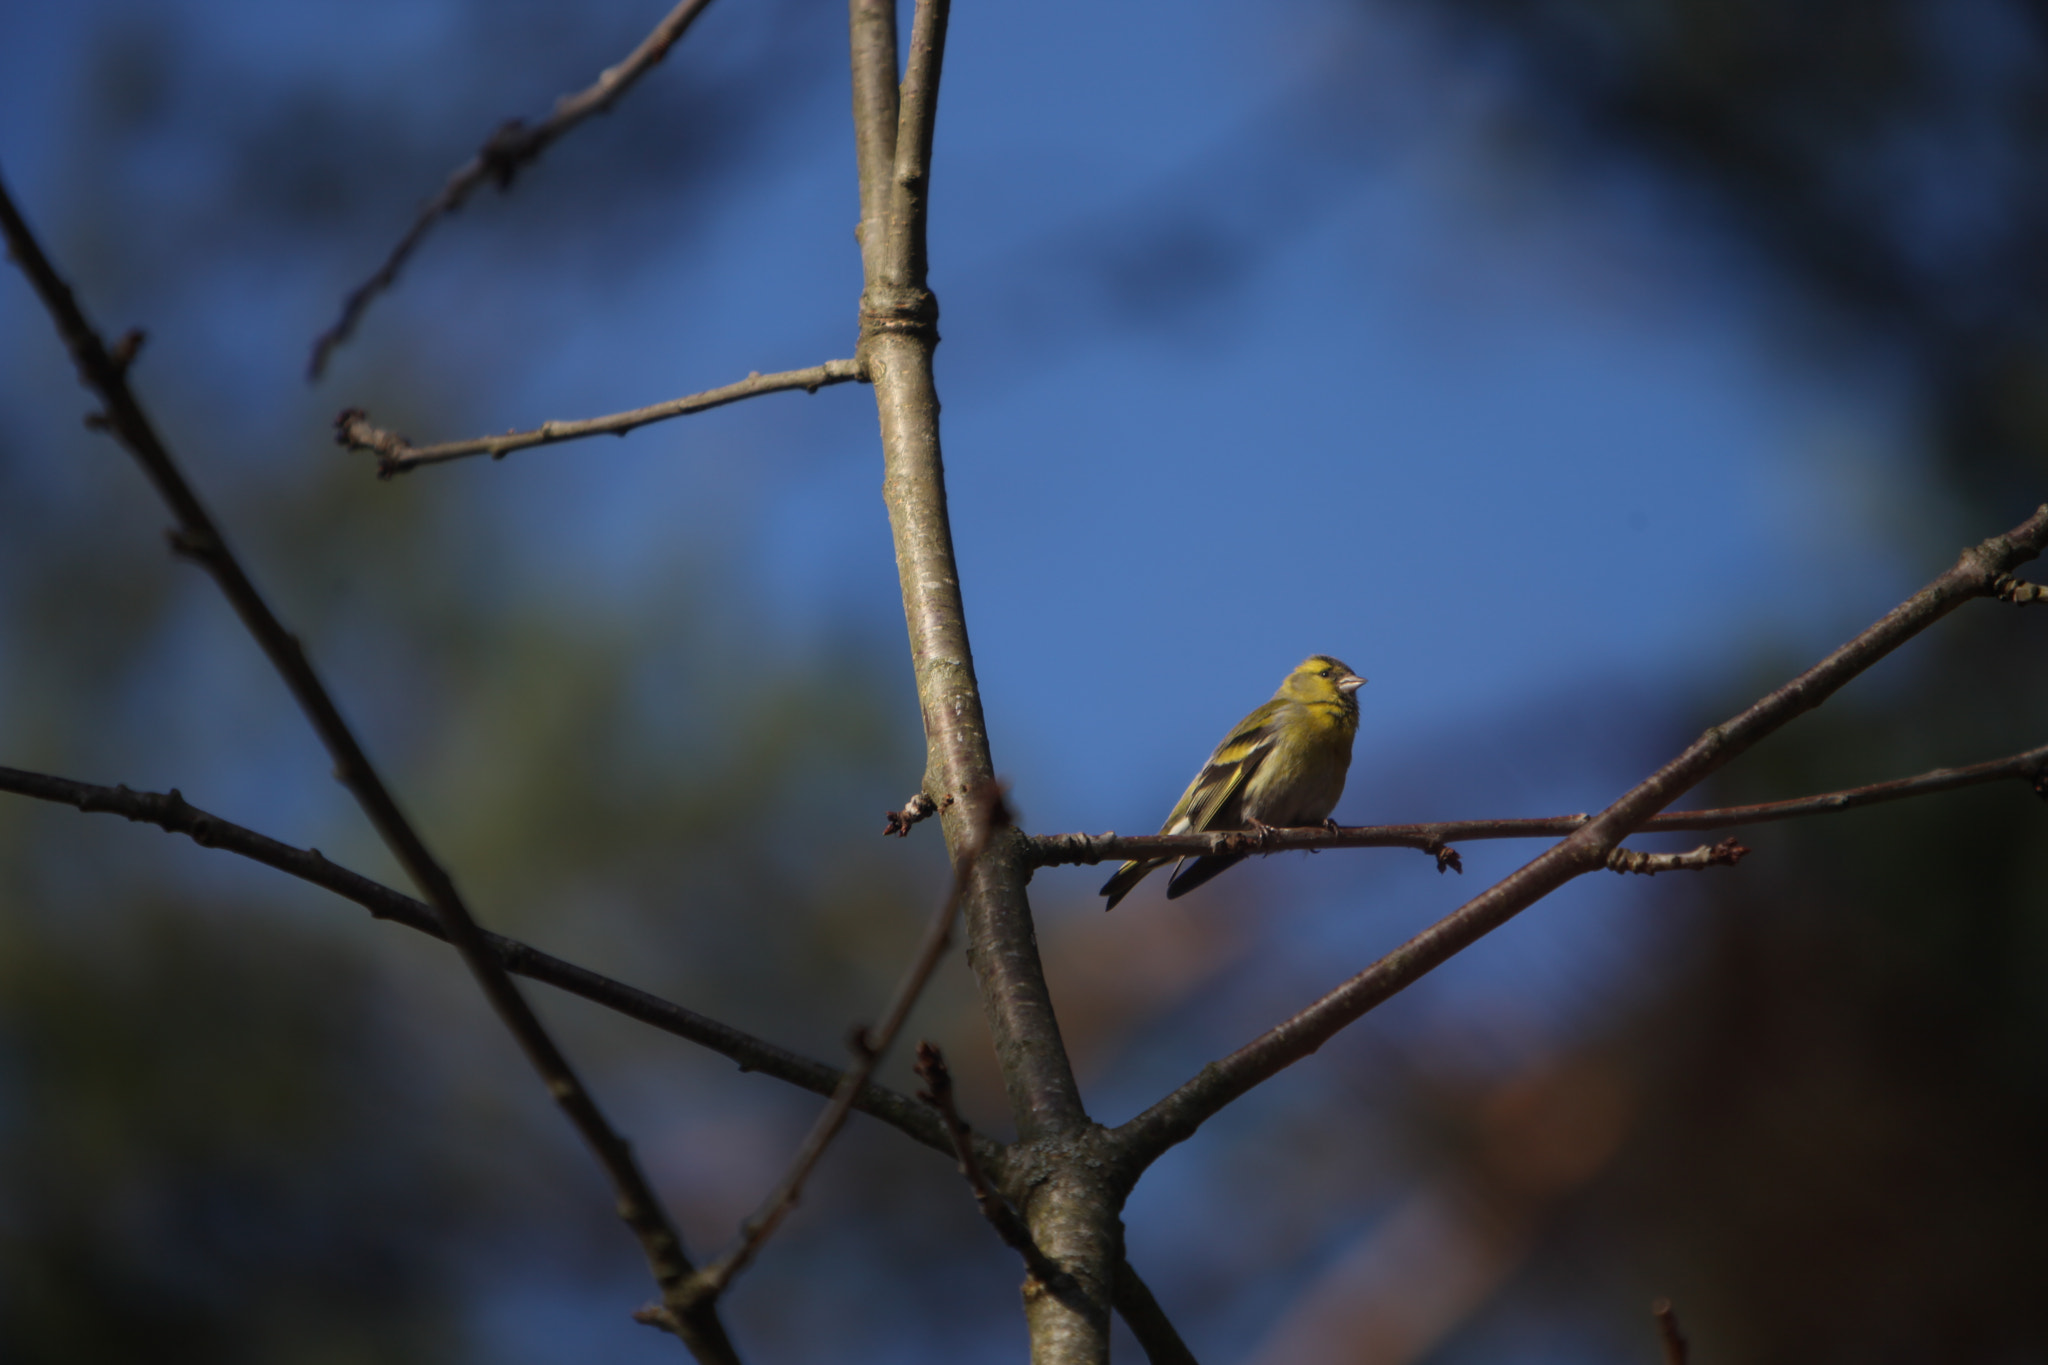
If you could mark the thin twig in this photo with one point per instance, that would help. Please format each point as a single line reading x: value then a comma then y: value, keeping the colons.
x: 198, y: 538
x: 1050, y: 850
x: 1177, y: 1116
x: 395, y: 455
x: 938, y: 1093
x: 1727, y: 853
x: 1668, y: 1335
x: 173, y: 814
x: 869, y: 1046
x: 500, y: 159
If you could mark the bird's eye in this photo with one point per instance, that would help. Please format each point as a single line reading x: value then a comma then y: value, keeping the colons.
x: 1324, y: 674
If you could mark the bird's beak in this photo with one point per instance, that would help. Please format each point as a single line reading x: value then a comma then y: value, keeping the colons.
x: 1350, y: 684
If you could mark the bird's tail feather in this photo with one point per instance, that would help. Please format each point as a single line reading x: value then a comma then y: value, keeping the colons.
x: 1129, y: 875
x: 1199, y: 870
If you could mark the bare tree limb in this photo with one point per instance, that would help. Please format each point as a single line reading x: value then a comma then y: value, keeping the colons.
x: 173, y: 814
x: 1051, y: 850
x: 501, y: 159
x: 870, y: 1046
x: 1177, y: 1116
x: 198, y: 538
x: 395, y: 455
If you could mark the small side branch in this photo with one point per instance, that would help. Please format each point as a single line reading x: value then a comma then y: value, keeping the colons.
x: 395, y: 455
x: 2010, y: 589
x: 501, y: 159
x: 938, y: 1093
x: 869, y: 1047
x: 1052, y: 850
x: 1727, y: 853
x: 197, y: 537
x: 918, y: 808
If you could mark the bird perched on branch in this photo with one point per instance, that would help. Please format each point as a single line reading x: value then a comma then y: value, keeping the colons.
x: 1283, y: 765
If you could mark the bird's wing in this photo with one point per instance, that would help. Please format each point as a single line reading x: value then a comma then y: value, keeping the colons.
x: 1224, y: 776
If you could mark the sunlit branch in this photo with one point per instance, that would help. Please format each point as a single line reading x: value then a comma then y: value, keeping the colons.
x: 172, y: 813
x: 501, y: 158
x: 1051, y: 850
x: 395, y: 454
x: 1727, y: 853
x: 198, y: 538
x: 869, y: 1046
x: 2010, y: 589
x: 1176, y: 1117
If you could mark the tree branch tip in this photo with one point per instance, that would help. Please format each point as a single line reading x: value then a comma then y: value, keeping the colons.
x: 124, y: 351
x: 1727, y: 853
x: 918, y: 807
x: 1668, y: 1336
x: 1448, y: 860
x: 2007, y: 588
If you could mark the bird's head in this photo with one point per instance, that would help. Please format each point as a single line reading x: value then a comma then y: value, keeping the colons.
x: 1320, y: 678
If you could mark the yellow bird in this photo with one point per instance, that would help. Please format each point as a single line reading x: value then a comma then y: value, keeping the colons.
x: 1282, y: 766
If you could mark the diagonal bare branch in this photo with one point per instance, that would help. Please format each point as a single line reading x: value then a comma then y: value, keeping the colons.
x: 396, y: 455
x: 501, y: 158
x: 1052, y: 850
x: 1148, y: 1321
x: 173, y: 814
x: 870, y: 1046
x: 198, y: 538
x: 1176, y: 1117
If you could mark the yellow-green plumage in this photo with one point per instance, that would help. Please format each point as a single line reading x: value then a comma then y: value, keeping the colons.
x: 1283, y: 765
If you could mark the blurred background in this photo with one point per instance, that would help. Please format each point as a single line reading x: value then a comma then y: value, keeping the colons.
x: 1574, y: 369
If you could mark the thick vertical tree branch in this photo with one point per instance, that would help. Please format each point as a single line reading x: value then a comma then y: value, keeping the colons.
x: 1176, y: 1117
x: 198, y: 538
x: 898, y: 334
x: 1072, y: 1203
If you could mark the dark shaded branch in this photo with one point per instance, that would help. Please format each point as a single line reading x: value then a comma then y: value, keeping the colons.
x: 1051, y: 850
x: 938, y: 1093
x: 1177, y: 1116
x: 1668, y: 1336
x: 1148, y: 1321
x: 501, y: 158
x: 396, y: 455
x: 199, y: 539
x: 173, y: 814
x: 869, y: 1046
